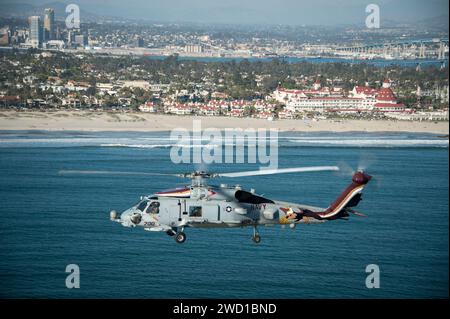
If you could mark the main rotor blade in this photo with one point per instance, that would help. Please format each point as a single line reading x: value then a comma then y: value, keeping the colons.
x: 83, y: 172
x: 280, y: 171
x: 345, y: 169
x: 365, y: 161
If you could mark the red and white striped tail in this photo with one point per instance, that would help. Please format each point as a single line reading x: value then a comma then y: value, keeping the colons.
x: 359, y: 181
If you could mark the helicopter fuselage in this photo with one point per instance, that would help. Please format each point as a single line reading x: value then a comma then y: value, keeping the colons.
x: 200, y: 205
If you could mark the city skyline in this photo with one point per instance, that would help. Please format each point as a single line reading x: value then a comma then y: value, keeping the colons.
x: 289, y: 12
x: 395, y: 46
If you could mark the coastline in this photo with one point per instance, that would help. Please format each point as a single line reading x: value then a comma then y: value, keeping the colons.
x: 93, y: 121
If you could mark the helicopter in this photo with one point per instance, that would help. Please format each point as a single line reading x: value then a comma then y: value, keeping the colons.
x: 202, y: 205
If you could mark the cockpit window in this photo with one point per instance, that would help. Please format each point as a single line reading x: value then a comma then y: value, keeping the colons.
x: 247, y: 197
x: 153, y: 208
x: 142, y: 206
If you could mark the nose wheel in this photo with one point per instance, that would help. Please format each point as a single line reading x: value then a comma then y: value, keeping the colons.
x: 256, y: 237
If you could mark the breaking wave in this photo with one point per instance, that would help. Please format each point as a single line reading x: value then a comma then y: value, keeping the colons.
x: 158, y: 145
x: 373, y: 142
x: 151, y: 141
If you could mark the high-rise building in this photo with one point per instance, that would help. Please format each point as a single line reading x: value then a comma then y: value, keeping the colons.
x: 58, y: 33
x: 5, y: 36
x: 139, y: 42
x: 70, y: 37
x: 49, y: 24
x: 35, y: 31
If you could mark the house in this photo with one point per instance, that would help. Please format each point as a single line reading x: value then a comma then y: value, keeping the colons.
x: 285, y: 114
x: 9, y: 100
x: 149, y: 107
x: 264, y: 115
x: 136, y: 84
x: 236, y: 113
x: 208, y: 110
x: 180, y: 109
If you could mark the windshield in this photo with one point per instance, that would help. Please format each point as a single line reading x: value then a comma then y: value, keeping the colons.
x: 141, y: 206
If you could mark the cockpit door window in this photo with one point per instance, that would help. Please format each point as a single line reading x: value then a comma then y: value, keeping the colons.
x: 195, y: 211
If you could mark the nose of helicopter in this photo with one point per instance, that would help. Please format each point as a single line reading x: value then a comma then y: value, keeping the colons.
x: 126, y: 215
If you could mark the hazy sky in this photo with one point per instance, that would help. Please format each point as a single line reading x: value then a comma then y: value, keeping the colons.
x: 296, y: 12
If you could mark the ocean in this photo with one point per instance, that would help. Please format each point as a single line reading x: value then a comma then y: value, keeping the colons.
x: 48, y: 221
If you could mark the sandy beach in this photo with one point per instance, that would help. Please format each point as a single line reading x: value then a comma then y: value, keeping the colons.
x: 105, y: 121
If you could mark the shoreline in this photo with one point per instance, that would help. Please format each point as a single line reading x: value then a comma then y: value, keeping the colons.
x: 94, y: 121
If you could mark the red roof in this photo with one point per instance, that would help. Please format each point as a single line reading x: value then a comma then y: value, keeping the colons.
x: 385, y: 94
x: 366, y: 90
x: 10, y: 98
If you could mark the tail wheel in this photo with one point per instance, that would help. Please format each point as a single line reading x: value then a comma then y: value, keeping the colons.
x: 180, y: 237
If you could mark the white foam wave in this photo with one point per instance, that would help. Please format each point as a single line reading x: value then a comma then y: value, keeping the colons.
x: 151, y: 143
x: 157, y: 145
x: 374, y: 142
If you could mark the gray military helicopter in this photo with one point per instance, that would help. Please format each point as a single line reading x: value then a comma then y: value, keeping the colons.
x: 201, y: 205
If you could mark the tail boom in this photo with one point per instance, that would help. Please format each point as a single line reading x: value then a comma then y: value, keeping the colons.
x: 350, y: 197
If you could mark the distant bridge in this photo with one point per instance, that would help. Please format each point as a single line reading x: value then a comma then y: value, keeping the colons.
x: 418, y: 48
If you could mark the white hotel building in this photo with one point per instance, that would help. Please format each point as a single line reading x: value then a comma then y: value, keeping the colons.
x: 360, y: 99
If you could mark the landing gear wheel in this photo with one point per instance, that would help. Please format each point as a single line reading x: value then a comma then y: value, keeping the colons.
x: 180, y: 237
x: 256, y: 238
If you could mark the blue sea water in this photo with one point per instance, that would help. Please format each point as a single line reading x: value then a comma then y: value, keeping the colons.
x: 48, y: 221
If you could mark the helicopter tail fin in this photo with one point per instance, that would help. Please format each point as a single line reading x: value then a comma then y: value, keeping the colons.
x: 350, y: 197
